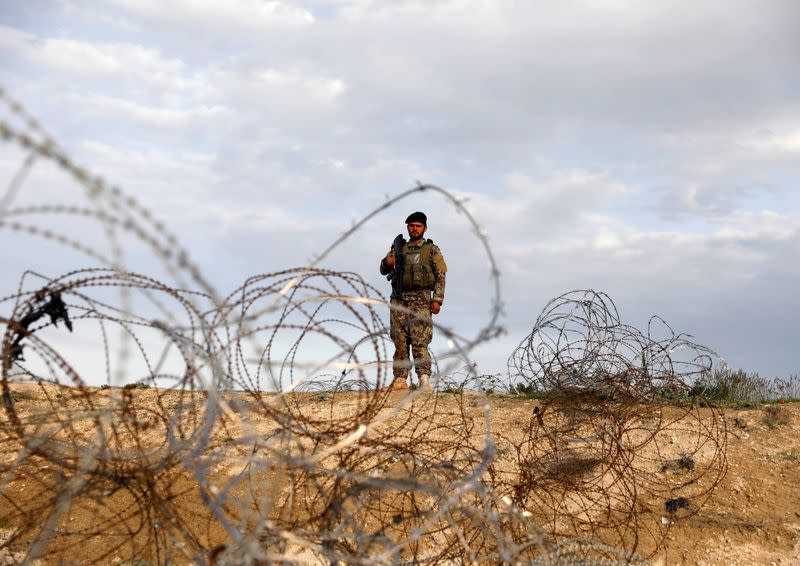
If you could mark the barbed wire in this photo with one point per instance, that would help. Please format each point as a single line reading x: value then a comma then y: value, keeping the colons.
x: 159, y: 421
x: 613, y: 457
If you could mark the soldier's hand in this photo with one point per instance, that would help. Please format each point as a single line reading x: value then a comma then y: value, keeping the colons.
x: 390, y: 261
x: 435, y: 307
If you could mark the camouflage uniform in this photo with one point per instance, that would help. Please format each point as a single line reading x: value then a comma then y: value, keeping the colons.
x: 415, y: 330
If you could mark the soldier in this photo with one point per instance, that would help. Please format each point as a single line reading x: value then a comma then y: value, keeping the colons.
x: 418, y: 280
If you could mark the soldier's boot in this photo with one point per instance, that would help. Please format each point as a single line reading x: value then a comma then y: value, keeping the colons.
x: 424, y: 382
x: 399, y: 384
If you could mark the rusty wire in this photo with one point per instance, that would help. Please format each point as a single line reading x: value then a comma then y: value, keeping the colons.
x: 158, y: 421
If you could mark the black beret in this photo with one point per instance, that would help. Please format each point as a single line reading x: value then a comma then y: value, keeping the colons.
x: 417, y: 217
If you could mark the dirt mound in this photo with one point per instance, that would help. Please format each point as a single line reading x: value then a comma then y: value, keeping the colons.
x: 750, y: 517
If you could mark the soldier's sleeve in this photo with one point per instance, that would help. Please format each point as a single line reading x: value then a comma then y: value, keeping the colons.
x: 440, y: 272
x: 385, y: 269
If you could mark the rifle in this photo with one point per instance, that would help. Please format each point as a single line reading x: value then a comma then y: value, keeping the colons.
x: 396, y: 275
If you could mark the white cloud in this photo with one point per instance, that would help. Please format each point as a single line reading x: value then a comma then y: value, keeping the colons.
x: 280, y: 89
x: 96, y: 15
x: 715, y: 171
x: 252, y: 220
x: 786, y: 141
x: 605, y: 238
x: 740, y: 249
x: 131, y: 167
x: 377, y: 172
x: 239, y: 15
x: 528, y: 206
x: 174, y: 118
x: 79, y: 59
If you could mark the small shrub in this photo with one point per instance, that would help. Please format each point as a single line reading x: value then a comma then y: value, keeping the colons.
x: 137, y: 385
x: 788, y: 388
x: 792, y: 455
x: 685, y: 462
x: 742, y: 389
x: 774, y: 416
x: 526, y: 391
x: 739, y: 422
x: 732, y: 387
x: 21, y: 396
x: 490, y: 383
x: 672, y: 394
x: 673, y: 505
x: 105, y: 386
x: 502, y: 450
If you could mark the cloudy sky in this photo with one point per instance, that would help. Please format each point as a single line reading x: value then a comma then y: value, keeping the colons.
x: 647, y: 149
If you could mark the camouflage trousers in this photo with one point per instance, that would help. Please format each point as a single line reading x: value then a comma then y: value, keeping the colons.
x: 413, y: 331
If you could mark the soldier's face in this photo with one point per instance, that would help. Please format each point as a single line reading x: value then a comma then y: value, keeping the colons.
x: 416, y: 230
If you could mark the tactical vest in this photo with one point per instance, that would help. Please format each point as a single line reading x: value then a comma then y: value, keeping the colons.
x: 418, y: 267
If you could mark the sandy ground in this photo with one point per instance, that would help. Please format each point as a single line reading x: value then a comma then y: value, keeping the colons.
x: 752, y: 516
